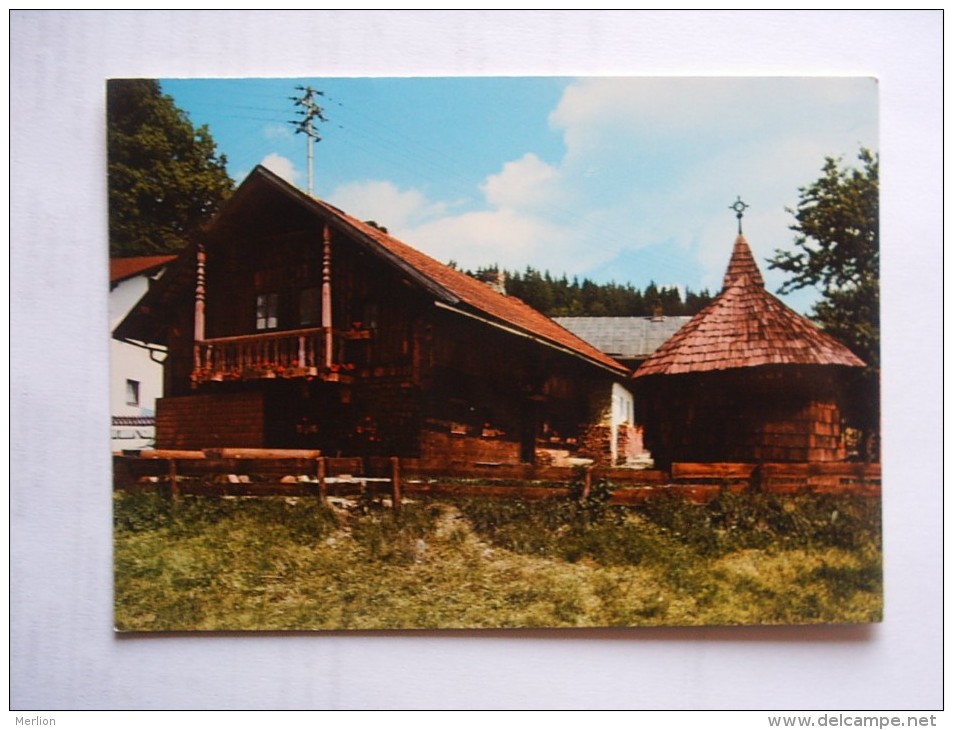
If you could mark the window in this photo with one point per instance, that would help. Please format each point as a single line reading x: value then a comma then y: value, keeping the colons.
x: 266, y: 311
x: 132, y: 392
x: 371, y: 312
x: 309, y: 309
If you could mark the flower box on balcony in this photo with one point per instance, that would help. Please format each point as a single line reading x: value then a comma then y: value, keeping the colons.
x: 337, y: 377
x: 296, y: 372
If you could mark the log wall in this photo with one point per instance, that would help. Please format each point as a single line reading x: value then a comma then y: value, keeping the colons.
x: 204, y: 421
x: 750, y: 415
x: 450, y: 450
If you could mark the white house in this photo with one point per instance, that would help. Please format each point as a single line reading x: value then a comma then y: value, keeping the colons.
x: 135, y: 370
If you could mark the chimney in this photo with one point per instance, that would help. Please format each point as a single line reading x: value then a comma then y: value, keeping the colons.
x: 496, y: 280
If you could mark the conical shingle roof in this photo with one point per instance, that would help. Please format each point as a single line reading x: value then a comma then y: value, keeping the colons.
x: 745, y: 326
x: 742, y: 263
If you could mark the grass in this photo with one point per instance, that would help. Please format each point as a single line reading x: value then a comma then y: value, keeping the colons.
x: 207, y: 563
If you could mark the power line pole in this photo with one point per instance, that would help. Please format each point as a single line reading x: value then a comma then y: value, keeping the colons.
x: 310, y: 111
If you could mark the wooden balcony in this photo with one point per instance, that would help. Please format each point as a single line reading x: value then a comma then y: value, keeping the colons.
x: 267, y: 355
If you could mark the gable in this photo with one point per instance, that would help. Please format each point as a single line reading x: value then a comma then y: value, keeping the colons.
x: 267, y: 205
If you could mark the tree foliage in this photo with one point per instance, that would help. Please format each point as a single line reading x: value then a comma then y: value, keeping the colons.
x: 562, y: 297
x: 165, y: 176
x: 837, y: 251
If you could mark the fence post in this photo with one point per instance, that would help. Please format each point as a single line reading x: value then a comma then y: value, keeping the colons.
x: 756, y: 480
x: 395, y: 482
x: 322, y: 484
x: 587, y: 482
x: 174, y: 479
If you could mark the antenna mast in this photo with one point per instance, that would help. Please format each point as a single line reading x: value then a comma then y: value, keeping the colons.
x: 310, y: 111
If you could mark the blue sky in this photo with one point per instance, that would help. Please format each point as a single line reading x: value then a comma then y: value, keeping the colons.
x: 617, y: 179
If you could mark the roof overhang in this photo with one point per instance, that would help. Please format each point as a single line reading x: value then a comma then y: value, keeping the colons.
x: 620, y: 371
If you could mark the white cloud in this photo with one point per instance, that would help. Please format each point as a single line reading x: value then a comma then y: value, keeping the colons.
x: 643, y: 190
x: 524, y: 184
x: 500, y: 233
x: 673, y: 110
x: 282, y: 166
x: 382, y: 202
x: 678, y: 151
x: 500, y: 236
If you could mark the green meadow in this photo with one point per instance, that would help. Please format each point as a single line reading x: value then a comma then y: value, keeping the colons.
x: 273, y: 563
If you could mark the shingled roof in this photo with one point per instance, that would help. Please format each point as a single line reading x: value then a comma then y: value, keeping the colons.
x: 452, y: 288
x: 463, y: 293
x: 624, y: 338
x: 121, y: 269
x: 745, y: 326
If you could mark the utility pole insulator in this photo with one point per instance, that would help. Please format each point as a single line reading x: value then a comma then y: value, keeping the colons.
x: 310, y: 111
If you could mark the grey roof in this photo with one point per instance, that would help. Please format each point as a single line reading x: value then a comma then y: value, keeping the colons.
x: 627, y: 338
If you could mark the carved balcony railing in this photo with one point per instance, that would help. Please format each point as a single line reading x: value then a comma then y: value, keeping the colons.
x: 287, y: 354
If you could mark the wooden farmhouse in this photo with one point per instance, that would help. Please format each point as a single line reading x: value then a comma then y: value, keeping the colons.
x: 290, y: 324
x: 746, y: 380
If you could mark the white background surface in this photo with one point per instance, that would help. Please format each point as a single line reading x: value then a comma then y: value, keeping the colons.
x: 63, y: 653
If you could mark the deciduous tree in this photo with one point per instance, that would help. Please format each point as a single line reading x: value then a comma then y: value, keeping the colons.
x: 165, y: 176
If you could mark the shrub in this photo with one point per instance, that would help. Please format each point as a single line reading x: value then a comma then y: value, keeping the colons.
x: 142, y: 511
x: 586, y: 510
x: 303, y: 520
x: 735, y: 521
x: 667, y: 526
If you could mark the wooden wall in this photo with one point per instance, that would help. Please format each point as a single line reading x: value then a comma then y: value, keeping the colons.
x: 367, y: 294
x: 812, y: 433
x: 213, y: 420
x: 413, y: 364
x: 446, y: 450
x: 743, y: 415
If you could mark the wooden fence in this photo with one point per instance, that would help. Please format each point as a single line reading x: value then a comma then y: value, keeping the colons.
x: 249, y: 472
x: 252, y: 472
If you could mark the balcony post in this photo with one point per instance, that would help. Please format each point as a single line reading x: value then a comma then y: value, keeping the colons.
x: 199, y: 304
x: 326, y: 319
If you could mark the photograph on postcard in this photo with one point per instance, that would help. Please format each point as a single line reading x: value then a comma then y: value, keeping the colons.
x: 494, y: 352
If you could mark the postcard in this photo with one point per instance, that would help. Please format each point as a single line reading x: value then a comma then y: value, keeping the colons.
x: 483, y: 353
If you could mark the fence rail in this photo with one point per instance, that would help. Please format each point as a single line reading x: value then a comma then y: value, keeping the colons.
x: 259, y: 472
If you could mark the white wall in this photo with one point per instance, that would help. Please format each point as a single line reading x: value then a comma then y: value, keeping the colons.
x: 623, y: 407
x: 128, y: 362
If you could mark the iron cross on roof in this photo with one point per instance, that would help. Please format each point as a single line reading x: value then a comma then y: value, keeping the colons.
x: 739, y: 207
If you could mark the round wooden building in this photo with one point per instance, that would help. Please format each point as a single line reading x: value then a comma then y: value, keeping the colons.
x: 746, y: 380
